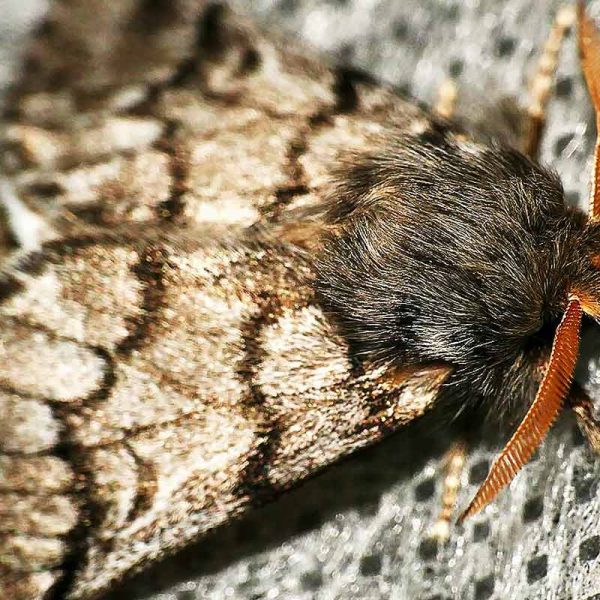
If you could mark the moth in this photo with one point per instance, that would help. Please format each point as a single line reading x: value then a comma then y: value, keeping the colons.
x: 245, y: 266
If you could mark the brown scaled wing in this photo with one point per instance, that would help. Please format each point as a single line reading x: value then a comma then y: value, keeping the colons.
x: 164, y: 370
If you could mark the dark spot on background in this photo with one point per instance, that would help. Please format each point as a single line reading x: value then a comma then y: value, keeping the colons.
x: 453, y: 12
x: 428, y: 549
x: 288, y: 6
x: 481, y: 531
x: 401, y: 29
x: 484, y: 588
x: 455, y: 68
x: 590, y: 548
x: 537, y: 568
x: 424, y: 490
x: 564, y: 87
x: 585, y: 488
x: 479, y: 472
x: 505, y: 46
x: 370, y: 565
x: 533, y: 509
x: 311, y: 580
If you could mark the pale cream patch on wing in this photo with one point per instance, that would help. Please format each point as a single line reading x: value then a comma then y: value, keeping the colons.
x: 289, y: 82
x: 115, y: 475
x: 87, y: 297
x: 48, y: 516
x: 190, y: 353
x: 124, y: 188
x: 37, y: 365
x: 30, y: 553
x: 196, y: 464
x: 302, y: 375
x: 141, y: 397
x: 307, y: 376
x: 233, y: 210
x: 47, y: 149
x: 198, y: 341
x: 26, y: 585
x: 203, y: 117
x: 242, y: 168
x: 197, y: 461
x: 35, y: 474
x: 26, y: 426
x: 285, y: 375
x: 47, y: 109
x: 328, y: 145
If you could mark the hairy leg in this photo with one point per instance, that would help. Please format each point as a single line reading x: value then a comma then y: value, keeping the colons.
x: 446, y: 99
x: 454, y: 462
x: 541, y: 83
x: 583, y: 408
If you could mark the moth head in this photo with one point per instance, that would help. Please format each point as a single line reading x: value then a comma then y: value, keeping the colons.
x: 583, y: 298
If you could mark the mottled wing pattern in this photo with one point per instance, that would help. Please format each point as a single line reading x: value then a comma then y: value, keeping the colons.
x: 152, y: 390
x: 180, y: 112
x: 163, y: 370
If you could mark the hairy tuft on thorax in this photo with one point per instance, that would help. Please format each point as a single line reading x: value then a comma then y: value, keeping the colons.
x: 446, y: 250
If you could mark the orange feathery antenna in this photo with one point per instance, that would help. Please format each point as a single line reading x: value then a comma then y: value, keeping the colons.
x: 541, y: 414
x: 565, y: 348
x: 589, y: 49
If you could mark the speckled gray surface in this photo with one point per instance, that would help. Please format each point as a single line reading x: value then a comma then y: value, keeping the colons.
x: 359, y: 530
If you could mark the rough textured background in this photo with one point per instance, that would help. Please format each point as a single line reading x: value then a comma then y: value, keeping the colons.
x: 360, y: 530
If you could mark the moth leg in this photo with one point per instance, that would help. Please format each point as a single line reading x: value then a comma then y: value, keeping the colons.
x: 454, y: 462
x: 583, y: 408
x: 541, y: 83
x: 446, y: 99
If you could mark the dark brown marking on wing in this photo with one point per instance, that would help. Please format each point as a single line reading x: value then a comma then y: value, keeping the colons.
x: 91, y: 511
x: 211, y: 35
x: 346, y: 101
x: 211, y: 45
x: 147, y: 484
x: 43, y: 189
x: 54, y: 251
x: 253, y: 481
x: 9, y: 286
x: 150, y: 272
x: 151, y: 16
x: 344, y: 87
x: 91, y: 515
x: 179, y: 161
x: 207, y: 30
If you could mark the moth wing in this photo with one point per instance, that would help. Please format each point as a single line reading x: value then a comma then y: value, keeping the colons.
x: 181, y: 113
x: 153, y: 389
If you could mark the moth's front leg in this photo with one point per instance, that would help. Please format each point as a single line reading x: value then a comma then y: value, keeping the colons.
x: 583, y: 408
x: 541, y: 83
x: 446, y: 99
x: 454, y: 462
